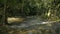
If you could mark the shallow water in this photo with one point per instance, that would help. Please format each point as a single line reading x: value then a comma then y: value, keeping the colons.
x: 32, y: 25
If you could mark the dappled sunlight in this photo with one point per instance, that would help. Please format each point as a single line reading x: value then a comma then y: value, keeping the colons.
x: 49, y: 13
x: 13, y: 19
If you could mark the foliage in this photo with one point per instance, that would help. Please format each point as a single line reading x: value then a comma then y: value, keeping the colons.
x: 46, y: 9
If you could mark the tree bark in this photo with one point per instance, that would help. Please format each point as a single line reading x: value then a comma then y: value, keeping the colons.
x: 4, y: 13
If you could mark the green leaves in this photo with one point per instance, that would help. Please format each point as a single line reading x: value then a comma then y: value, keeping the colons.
x: 37, y: 7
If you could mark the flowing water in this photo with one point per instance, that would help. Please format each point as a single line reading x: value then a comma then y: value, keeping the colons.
x: 31, y: 21
x: 34, y: 25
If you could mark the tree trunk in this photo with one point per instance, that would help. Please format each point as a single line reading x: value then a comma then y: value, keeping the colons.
x: 4, y: 14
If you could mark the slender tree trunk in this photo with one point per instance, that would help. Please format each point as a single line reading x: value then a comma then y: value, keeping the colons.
x: 4, y: 15
x: 23, y: 13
